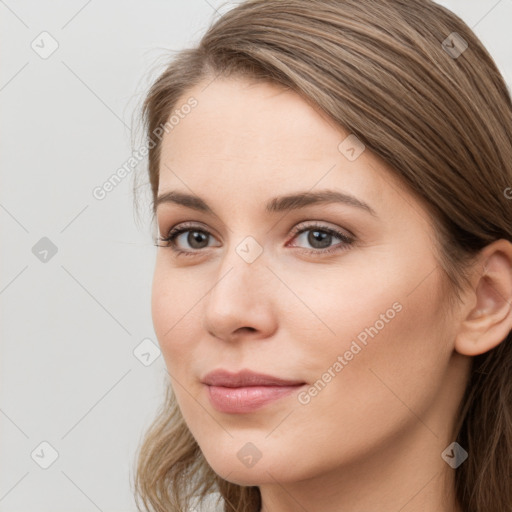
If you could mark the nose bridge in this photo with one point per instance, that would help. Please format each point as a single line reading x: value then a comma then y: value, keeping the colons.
x: 236, y: 298
x: 240, y: 274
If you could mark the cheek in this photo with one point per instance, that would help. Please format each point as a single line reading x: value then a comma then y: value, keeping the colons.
x: 379, y: 330
x: 173, y: 314
x: 389, y: 348
x: 394, y: 355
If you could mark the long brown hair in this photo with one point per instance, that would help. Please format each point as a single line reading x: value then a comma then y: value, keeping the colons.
x: 398, y: 75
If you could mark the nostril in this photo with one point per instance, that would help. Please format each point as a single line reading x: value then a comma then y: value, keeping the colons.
x: 250, y: 329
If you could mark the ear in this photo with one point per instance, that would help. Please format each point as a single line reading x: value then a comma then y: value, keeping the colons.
x: 487, y: 318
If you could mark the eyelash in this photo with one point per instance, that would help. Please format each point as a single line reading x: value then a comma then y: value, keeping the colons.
x: 169, y: 240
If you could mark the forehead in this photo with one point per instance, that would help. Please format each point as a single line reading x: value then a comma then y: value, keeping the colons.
x: 253, y: 140
x: 237, y: 119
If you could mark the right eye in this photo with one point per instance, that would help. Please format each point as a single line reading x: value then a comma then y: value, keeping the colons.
x: 196, y: 236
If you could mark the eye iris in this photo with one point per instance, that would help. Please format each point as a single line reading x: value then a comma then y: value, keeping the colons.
x: 316, y: 236
x: 197, y: 236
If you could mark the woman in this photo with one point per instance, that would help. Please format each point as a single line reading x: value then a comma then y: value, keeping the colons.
x: 333, y: 285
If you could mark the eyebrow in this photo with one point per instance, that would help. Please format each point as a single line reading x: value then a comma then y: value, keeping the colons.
x: 277, y: 204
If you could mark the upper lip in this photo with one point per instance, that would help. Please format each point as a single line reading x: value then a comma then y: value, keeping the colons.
x: 245, y: 378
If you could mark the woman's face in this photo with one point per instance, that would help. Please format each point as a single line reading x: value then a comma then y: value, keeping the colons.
x: 266, y: 284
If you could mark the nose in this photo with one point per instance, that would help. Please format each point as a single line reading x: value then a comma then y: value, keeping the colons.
x: 240, y: 301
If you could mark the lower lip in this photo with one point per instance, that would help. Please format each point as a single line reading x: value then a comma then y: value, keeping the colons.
x: 247, y: 399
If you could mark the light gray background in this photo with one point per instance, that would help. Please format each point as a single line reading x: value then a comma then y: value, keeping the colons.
x: 69, y: 325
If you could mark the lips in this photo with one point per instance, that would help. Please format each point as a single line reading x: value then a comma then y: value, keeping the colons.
x: 245, y: 378
x: 246, y: 391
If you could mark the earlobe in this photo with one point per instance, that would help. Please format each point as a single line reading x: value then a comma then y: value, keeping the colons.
x: 488, y: 320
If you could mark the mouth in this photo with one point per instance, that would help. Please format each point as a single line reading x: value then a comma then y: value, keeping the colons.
x: 246, y: 391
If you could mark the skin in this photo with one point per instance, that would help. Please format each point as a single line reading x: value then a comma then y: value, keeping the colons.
x: 372, y: 438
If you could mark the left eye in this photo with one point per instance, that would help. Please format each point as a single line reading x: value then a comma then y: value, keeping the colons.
x: 321, y: 237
